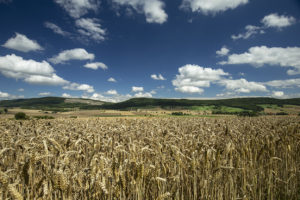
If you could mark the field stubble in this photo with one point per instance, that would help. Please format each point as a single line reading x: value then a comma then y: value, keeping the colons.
x: 154, y: 158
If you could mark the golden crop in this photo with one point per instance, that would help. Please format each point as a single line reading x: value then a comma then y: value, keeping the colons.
x: 150, y: 158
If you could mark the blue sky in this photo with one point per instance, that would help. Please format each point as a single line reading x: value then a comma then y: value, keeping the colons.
x: 113, y: 50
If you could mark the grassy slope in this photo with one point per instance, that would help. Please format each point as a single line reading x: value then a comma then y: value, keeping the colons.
x: 219, y: 108
x: 242, y: 103
x: 46, y: 103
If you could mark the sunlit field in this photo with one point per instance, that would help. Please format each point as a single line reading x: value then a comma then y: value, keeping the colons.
x: 150, y: 158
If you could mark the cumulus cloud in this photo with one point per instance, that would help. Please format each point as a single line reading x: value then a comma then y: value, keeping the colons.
x: 21, y: 90
x: 275, y: 20
x: 153, y: 10
x: 44, y: 94
x: 78, y: 8
x: 278, y: 94
x: 192, y: 78
x: 112, y: 92
x: 137, y: 89
x: 157, y: 77
x: 143, y: 95
x: 153, y: 92
x: 79, y: 87
x: 96, y: 65
x: 211, y: 6
x: 16, y: 67
x: 250, y: 31
x: 90, y: 29
x: 111, y: 79
x: 243, y: 86
x: 189, y: 89
x: 53, y: 80
x: 4, y: 95
x: 56, y: 29
x: 66, y: 95
x: 270, y: 21
x: 22, y: 43
x: 289, y: 83
x: 259, y: 56
x: 114, y: 98
x: 73, y: 54
x: 34, y: 72
x: 223, y: 51
x: 30, y: 71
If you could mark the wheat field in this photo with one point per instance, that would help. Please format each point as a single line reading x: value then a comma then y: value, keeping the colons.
x: 150, y: 158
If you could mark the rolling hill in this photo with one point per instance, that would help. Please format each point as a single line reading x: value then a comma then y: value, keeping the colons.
x: 60, y: 104
x: 53, y: 103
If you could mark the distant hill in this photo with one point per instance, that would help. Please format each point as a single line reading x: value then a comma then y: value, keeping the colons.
x: 244, y: 103
x: 61, y: 104
x: 53, y: 103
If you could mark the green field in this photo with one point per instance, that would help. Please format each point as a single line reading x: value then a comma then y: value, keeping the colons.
x: 271, y: 106
x: 217, y: 108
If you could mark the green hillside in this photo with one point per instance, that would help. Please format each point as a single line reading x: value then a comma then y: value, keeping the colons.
x: 59, y: 104
x: 242, y: 103
x: 51, y: 103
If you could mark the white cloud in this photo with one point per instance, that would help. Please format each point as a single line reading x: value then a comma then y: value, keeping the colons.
x: 259, y: 56
x: 192, y: 78
x: 21, y: 90
x: 44, y: 93
x: 66, y: 95
x: 114, y: 98
x: 53, y: 80
x: 269, y: 21
x: 30, y: 71
x: 22, y: 43
x: 78, y: 8
x: 250, y: 31
x: 56, y: 29
x: 16, y: 67
x: 211, y: 6
x: 243, y: 86
x: 278, y: 21
x: 4, y: 95
x: 278, y: 94
x: 137, y: 89
x: 90, y: 29
x: 289, y: 83
x: 223, y: 51
x: 96, y: 65
x: 153, y: 10
x: 73, y: 54
x: 189, y: 89
x: 153, y: 92
x: 112, y: 92
x: 96, y: 96
x: 144, y: 95
x: 79, y: 87
x: 158, y: 77
x: 226, y: 94
x: 111, y: 79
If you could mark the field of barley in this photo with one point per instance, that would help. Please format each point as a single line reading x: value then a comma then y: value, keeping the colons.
x: 151, y: 158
